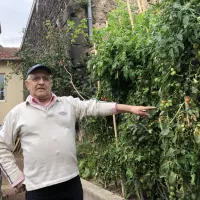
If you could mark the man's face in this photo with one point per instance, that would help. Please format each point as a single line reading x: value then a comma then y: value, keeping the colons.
x: 39, y: 84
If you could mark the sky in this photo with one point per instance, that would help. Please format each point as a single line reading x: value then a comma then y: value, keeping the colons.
x: 14, y: 15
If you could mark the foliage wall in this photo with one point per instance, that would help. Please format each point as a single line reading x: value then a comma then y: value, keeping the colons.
x: 156, y: 63
x: 56, y: 55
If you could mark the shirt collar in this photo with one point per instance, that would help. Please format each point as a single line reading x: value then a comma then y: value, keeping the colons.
x: 32, y: 100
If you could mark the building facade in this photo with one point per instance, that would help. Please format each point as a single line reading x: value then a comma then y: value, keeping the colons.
x: 11, y: 87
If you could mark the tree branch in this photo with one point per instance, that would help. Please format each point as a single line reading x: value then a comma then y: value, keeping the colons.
x: 71, y: 81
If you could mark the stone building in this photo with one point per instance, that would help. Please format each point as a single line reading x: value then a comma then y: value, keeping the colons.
x: 58, y: 11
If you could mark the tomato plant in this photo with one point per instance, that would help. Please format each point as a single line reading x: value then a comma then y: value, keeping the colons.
x: 157, y: 157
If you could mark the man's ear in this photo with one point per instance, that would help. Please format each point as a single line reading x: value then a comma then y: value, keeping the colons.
x: 26, y: 82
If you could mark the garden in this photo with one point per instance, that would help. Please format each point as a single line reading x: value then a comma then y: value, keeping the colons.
x: 153, y: 61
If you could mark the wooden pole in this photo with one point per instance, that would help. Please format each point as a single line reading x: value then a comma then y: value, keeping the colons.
x: 98, y: 82
x: 115, y: 130
x: 130, y: 13
x: 16, y: 145
x: 187, y: 107
x: 139, y: 5
x: 116, y: 144
x: 143, y: 6
x: 106, y: 23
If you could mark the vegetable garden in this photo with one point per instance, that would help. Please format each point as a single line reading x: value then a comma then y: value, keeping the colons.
x: 154, y: 61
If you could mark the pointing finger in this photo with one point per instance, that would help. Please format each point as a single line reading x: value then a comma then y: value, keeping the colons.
x: 149, y: 108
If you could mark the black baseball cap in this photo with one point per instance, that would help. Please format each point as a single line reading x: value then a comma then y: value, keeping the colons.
x: 38, y: 66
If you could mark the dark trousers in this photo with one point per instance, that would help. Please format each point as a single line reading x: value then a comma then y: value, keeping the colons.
x: 69, y: 190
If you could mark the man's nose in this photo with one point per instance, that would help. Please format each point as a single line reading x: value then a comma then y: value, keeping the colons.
x: 41, y: 81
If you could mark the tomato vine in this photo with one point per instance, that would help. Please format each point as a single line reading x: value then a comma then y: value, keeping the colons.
x: 156, y: 63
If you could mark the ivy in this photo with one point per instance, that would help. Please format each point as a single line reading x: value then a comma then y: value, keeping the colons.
x: 56, y: 55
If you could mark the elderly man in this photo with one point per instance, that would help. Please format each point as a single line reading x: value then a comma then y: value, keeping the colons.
x: 46, y: 125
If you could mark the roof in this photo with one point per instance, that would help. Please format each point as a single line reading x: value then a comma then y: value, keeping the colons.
x: 7, y: 53
x: 29, y: 21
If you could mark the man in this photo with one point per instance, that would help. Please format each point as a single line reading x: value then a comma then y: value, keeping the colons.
x: 46, y: 125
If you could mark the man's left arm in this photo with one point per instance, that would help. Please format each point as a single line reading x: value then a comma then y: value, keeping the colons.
x: 138, y: 110
x: 101, y: 108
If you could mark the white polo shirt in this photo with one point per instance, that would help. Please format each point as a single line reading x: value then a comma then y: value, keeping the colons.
x: 47, y: 139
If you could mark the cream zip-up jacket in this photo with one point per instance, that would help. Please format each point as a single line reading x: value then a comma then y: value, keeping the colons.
x: 47, y: 139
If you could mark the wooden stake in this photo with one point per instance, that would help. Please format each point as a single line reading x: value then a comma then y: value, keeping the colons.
x: 187, y: 107
x: 123, y: 190
x: 16, y: 145
x: 116, y: 144
x: 106, y: 23
x: 130, y: 13
x: 143, y: 6
x: 99, y: 85
x: 115, y: 130
x: 95, y: 51
x: 139, y: 5
x: 98, y: 82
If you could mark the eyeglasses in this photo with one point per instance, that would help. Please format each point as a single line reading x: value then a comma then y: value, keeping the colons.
x: 38, y: 78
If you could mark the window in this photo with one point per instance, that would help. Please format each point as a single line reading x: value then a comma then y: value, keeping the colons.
x: 2, y: 87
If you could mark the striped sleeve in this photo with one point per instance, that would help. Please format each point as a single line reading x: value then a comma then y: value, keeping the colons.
x: 8, y: 134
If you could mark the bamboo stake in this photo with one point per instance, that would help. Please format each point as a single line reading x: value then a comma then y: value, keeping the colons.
x: 143, y: 5
x: 95, y: 53
x: 130, y: 13
x: 106, y: 23
x: 139, y: 5
x: 16, y: 144
x: 99, y: 85
x: 123, y: 190
x: 187, y: 107
x: 116, y: 144
x: 115, y: 130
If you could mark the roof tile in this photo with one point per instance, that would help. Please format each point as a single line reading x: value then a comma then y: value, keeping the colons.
x: 8, y: 53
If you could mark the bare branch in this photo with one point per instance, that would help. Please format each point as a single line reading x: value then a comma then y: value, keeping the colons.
x: 71, y: 81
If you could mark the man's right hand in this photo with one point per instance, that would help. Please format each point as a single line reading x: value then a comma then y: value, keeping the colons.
x: 20, y: 187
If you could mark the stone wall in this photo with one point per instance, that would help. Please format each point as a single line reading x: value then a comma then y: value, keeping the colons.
x: 58, y: 11
x: 101, y: 8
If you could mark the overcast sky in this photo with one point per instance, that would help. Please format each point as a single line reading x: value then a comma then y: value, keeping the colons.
x: 14, y: 16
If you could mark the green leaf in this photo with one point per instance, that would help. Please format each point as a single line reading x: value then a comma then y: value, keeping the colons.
x: 180, y: 36
x: 180, y: 44
x: 172, y: 178
x: 171, y: 53
x: 165, y: 132
x: 129, y: 173
x: 193, y: 176
x: 186, y: 19
x: 177, y: 5
x: 194, y: 90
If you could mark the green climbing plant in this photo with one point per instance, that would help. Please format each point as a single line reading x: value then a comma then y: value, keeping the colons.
x: 56, y: 55
x: 156, y: 63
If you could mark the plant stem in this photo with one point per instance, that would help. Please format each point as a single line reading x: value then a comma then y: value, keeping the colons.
x: 71, y: 81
